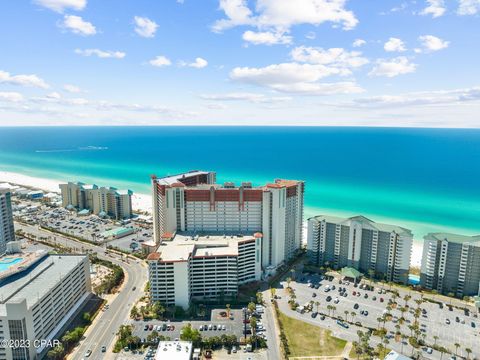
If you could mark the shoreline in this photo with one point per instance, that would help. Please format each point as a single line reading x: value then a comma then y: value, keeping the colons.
x: 143, y: 202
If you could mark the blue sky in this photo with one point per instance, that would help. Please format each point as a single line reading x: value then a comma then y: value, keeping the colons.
x: 239, y: 62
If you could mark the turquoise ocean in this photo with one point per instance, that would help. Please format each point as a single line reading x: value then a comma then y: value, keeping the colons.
x: 423, y: 179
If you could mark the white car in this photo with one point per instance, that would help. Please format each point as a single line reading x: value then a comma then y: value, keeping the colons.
x: 336, y: 301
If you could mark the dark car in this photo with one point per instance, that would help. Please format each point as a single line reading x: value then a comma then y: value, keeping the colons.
x: 314, y: 295
x: 356, y: 306
x: 329, y: 298
x: 365, y: 296
x: 314, y: 314
x: 322, y: 317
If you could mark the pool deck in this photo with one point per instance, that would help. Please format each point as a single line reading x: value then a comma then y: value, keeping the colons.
x: 27, y: 259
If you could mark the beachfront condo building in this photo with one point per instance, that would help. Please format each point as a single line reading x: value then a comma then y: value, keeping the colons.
x: 190, y: 266
x: 451, y: 264
x: 213, y: 238
x: 375, y: 249
x: 103, y: 201
x: 192, y: 202
x: 7, y: 232
x: 40, y: 295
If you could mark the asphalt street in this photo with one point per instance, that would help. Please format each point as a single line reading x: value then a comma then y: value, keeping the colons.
x: 102, y: 331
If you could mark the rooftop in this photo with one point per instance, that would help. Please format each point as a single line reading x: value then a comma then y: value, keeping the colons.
x: 172, y: 179
x: 454, y: 238
x: 37, y: 280
x: 186, y: 244
x: 373, y: 225
x: 174, y: 350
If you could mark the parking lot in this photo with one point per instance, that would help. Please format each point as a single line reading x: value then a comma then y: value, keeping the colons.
x: 215, y: 326
x: 437, y: 325
x: 90, y: 227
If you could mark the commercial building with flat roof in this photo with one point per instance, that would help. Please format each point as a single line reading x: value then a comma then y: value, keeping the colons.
x: 451, y: 264
x: 39, y: 298
x: 7, y: 231
x: 377, y: 249
x: 193, y: 202
x: 202, y: 266
x: 100, y: 200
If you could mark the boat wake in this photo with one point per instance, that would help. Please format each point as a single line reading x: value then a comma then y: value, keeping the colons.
x: 81, y: 148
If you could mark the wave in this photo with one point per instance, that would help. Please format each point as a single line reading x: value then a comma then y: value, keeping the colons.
x: 80, y: 148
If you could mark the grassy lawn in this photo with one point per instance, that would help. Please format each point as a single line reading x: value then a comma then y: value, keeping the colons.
x: 308, y: 340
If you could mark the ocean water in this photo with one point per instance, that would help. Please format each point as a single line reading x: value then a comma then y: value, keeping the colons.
x: 423, y: 179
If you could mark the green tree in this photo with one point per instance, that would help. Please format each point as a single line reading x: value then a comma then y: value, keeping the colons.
x: 134, y: 312
x: 259, y: 297
x: 56, y: 352
x: 251, y: 307
x: 190, y: 334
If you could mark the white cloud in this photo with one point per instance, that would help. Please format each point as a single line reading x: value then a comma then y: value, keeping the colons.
x: 10, y: 96
x: 432, y: 43
x: 145, y: 27
x: 394, y: 45
x: 78, y: 26
x: 283, y: 14
x: 295, y: 78
x: 439, y: 97
x: 359, y: 43
x: 101, y: 53
x: 336, y: 57
x: 436, y: 8
x: 311, y: 35
x: 72, y: 88
x: 468, y: 7
x: 266, y: 38
x: 22, y: 80
x: 160, y: 61
x: 250, y: 97
x: 393, y: 67
x: 199, y: 63
x: 61, y: 5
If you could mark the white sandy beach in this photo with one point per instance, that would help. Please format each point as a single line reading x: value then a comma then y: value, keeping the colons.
x: 140, y: 202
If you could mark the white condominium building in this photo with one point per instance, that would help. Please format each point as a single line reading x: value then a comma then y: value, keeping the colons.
x: 191, y: 266
x: 38, y: 297
x: 7, y: 232
x: 375, y: 249
x: 100, y: 200
x: 451, y: 264
x: 193, y: 202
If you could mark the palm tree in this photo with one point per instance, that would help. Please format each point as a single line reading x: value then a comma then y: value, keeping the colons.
x: 272, y: 292
x: 317, y: 304
x: 288, y: 280
x: 346, y: 312
x: 379, y: 319
x: 457, y: 345
x: 407, y: 298
x: 435, y: 338
x: 333, y: 310
x: 357, y: 348
x: 353, y: 314
x: 228, y: 310
x: 469, y: 351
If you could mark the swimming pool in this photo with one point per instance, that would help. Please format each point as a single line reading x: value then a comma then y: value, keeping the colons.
x: 8, y: 262
x: 413, y: 279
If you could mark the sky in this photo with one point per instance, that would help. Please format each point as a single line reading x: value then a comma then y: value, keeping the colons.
x: 406, y: 63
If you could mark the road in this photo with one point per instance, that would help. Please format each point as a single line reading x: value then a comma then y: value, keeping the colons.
x: 102, y: 331
x: 273, y: 336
